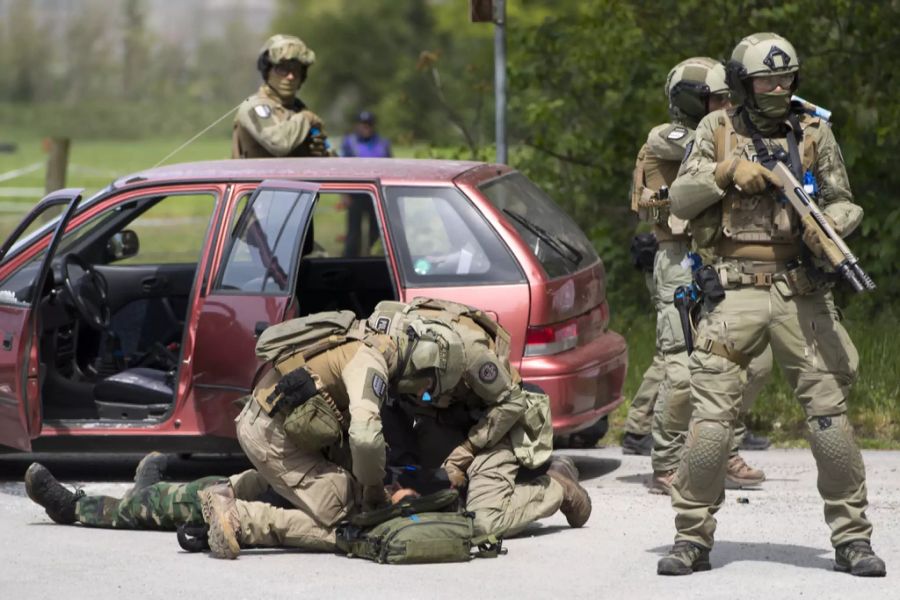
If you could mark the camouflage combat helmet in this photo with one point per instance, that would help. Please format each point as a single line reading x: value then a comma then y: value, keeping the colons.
x: 431, y: 351
x: 281, y: 48
x: 690, y: 84
x: 760, y: 55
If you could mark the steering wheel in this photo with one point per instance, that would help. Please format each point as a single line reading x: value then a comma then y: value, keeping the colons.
x: 88, y: 292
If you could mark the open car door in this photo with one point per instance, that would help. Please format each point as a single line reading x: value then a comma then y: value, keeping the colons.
x: 255, y: 287
x: 20, y: 401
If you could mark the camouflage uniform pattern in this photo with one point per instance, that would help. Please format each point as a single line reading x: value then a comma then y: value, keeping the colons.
x: 666, y: 386
x: 264, y: 127
x: 162, y: 506
x: 803, y: 327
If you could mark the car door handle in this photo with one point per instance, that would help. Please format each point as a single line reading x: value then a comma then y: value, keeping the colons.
x: 148, y: 284
x: 260, y: 327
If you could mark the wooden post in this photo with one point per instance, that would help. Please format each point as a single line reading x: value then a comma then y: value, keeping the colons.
x: 57, y: 163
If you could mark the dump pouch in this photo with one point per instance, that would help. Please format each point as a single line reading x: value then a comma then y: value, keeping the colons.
x: 532, y: 435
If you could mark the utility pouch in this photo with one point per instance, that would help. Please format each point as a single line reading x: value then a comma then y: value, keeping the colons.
x: 313, y: 425
x: 643, y: 251
x: 532, y: 435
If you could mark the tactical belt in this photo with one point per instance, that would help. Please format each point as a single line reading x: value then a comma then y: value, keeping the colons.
x: 711, y: 346
x: 742, y: 273
x: 730, y: 249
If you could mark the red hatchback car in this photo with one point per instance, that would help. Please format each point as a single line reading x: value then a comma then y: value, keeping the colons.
x: 129, y: 320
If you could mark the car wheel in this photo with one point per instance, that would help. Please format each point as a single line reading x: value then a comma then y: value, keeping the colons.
x: 588, y: 438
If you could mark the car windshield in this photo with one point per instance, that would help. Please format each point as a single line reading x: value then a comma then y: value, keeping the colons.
x: 554, y: 238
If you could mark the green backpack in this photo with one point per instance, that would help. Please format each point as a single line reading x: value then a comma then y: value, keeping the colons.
x: 312, y: 333
x: 411, y: 532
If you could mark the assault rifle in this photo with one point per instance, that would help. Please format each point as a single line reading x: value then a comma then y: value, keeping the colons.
x: 835, y: 251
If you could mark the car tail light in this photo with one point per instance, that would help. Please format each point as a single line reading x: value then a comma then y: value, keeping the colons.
x: 551, y: 339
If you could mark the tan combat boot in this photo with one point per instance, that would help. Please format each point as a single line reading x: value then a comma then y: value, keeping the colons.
x: 662, y: 482
x: 220, y: 513
x: 741, y: 474
x: 576, y: 504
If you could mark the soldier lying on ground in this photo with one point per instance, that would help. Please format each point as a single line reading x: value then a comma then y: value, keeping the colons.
x: 160, y: 505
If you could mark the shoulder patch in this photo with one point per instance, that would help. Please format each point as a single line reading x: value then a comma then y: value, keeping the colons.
x: 687, y: 151
x: 262, y: 111
x: 676, y: 134
x: 382, y: 325
x: 488, y: 372
x: 379, y: 385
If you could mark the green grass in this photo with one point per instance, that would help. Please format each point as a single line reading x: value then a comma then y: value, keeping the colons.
x: 874, y: 403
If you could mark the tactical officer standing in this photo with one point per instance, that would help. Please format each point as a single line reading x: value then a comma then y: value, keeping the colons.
x: 774, y: 294
x: 693, y: 88
x: 273, y: 121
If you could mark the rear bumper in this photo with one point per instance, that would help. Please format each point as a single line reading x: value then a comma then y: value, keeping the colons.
x: 584, y: 383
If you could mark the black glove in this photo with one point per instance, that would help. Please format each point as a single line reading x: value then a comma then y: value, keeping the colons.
x: 643, y: 251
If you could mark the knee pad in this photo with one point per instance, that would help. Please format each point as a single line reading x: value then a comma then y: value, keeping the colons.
x: 701, y: 474
x: 838, y: 458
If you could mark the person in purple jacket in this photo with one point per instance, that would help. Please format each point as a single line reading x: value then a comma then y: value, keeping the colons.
x: 364, y: 142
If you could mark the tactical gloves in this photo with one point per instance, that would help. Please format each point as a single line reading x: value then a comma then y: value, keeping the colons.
x: 813, y: 241
x: 750, y: 177
x: 458, y: 462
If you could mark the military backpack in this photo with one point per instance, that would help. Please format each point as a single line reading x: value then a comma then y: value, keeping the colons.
x: 416, y: 531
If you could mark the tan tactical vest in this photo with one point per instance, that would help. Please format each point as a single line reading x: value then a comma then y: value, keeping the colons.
x: 760, y: 227
x: 650, y: 174
x: 292, y: 344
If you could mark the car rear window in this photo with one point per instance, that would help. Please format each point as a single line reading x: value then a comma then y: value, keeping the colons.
x: 442, y: 240
x: 554, y: 238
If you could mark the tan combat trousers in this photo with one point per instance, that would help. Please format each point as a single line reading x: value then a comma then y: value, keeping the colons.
x: 643, y: 405
x: 672, y: 414
x: 502, y: 506
x: 323, y: 493
x: 820, y: 363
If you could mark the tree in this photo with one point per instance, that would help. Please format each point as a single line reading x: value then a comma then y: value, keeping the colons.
x: 586, y: 86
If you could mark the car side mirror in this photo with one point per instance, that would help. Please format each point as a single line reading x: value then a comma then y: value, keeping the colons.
x: 123, y: 244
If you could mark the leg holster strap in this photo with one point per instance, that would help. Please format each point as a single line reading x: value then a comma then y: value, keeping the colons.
x: 719, y: 349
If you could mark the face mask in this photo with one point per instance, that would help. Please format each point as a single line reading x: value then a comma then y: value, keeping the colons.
x: 773, y: 105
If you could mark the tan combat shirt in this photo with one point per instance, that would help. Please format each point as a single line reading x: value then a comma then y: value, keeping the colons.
x: 657, y: 166
x: 264, y: 127
x: 758, y: 227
